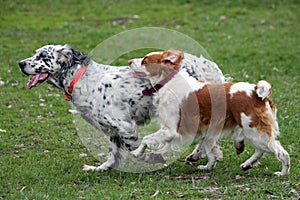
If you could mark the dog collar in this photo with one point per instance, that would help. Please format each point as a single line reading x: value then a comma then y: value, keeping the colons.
x: 159, y: 85
x: 80, y: 72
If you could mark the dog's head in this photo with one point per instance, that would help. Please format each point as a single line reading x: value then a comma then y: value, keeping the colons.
x: 49, y: 62
x: 157, y: 64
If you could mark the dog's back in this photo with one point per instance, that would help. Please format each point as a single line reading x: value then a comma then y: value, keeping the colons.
x: 223, y: 104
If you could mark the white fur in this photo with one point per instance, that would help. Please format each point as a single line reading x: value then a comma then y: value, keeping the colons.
x: 246, y: 120
x: 154, y: 52
x: 208, y: 69
x: 274, y: 114
x: 263, y: 89
x: 169, y: 98
x: 242, y: 87
x: 167, y: 102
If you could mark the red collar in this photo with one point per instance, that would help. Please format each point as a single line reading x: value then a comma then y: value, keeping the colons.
x: 159, y: 85
x: 80, y: 72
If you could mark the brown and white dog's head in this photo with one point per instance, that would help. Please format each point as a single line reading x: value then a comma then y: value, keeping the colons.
x: 157, y: 65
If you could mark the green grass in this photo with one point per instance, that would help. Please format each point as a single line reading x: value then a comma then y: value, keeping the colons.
x: 39, y: 152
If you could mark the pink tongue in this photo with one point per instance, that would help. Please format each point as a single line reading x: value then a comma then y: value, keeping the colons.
x: 37, y: 79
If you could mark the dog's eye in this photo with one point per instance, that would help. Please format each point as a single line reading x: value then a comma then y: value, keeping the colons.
x: 42, y: 55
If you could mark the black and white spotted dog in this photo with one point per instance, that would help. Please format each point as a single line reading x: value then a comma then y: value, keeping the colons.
x: 108, y: 97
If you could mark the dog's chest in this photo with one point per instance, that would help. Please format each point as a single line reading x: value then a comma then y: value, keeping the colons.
x: 170, y: 97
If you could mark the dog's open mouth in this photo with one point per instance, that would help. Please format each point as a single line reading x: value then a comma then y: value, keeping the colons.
x: 37, y: 79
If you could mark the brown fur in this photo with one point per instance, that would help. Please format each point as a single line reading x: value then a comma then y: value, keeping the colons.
x: 235, y: 105
x: 161, y: 64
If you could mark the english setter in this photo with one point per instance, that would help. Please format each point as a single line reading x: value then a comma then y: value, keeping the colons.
x: 108, y: 97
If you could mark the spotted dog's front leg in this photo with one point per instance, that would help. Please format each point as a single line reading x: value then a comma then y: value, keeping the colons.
x: 115, y: 158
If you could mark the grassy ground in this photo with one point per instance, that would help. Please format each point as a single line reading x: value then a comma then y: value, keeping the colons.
x: 39, y: 150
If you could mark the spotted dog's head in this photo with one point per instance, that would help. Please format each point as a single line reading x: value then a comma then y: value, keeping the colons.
x: 157, y: 64
x: 50, y: 63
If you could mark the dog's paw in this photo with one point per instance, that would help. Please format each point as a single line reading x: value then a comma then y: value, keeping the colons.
x: 139, y: 151
x: 281, y: 173
x: 100, y: 168
x: 191, y: 159
x: 136, y: 153
x: 89, y: 168
x: 245, y: 167
x: 203, y: 167
x: 278, y: 174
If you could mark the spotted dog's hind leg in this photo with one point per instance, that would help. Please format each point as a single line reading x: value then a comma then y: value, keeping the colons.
x: 126, y: 140
x: 118, y: 150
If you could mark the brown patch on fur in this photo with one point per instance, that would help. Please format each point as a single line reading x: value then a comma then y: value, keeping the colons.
x: 153, y: 58
x: 263, y: 120
x: 164, y: 63
x: 196, y: 110
x: 272, y: 105
x: 213, y: 94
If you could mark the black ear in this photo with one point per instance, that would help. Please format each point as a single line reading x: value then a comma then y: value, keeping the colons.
x: 69, y: 57
x: 78, y: 57
x: 65, y: 57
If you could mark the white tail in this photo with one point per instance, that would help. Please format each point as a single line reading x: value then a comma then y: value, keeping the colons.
x: 263, y: 89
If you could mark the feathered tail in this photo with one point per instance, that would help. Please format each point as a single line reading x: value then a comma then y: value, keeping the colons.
x: 263, y: 89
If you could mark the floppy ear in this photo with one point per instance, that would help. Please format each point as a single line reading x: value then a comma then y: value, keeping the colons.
x: 65, y: 57
x: 173, y: 56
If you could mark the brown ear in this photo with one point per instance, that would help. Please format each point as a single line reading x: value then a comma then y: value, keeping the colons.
x: 173, y: 56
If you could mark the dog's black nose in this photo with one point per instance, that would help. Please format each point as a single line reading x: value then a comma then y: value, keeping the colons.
x: 22, y: 64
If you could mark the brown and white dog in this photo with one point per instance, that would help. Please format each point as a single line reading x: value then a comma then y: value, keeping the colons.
x: 188, y: 108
